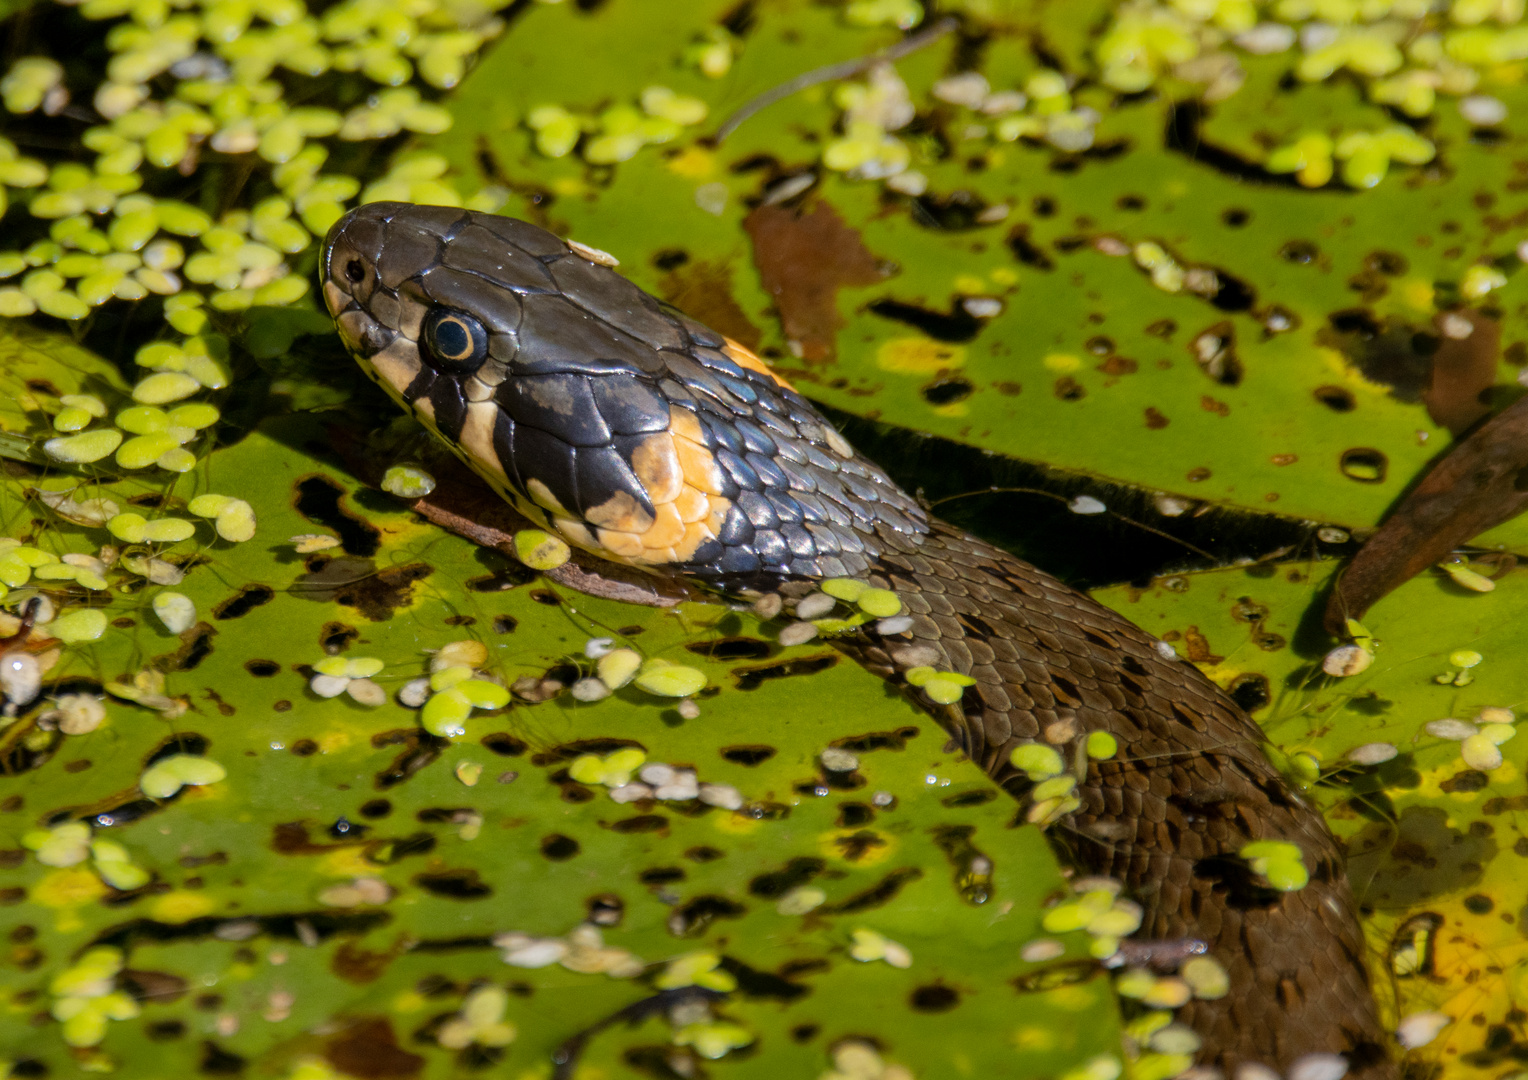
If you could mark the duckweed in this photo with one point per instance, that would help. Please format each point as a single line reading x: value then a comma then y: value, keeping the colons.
x: 1281, y: 863
x: 664, y: 679
x: 541, y: 550
x: 167, y: 776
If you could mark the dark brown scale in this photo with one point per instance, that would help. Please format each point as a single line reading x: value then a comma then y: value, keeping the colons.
x: 1167, y: 815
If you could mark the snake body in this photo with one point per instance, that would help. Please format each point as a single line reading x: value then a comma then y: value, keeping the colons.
x: 642, y: 436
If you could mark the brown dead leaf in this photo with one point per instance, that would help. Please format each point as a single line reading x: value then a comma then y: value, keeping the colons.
x: 804, y: 257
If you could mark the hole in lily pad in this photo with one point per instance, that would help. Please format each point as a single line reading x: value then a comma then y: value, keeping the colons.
x: 1336, y: 398
x: 1364, y: 464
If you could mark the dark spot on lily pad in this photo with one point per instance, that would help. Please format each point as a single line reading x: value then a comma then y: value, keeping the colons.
x: 320, y: 500
x: 748, y: 755
x: 219, y: 1062
x: 579, y: 747
x: 336, y: 637
x: 463, y: 884
x: 947, y: 391
x: 304, y: 748
x: 854, y: 815
x: 504, y: 744
x: 187, y: 742
x: 376, y: 808
x: 419, y: 749
x: 262, y: 669
x: 670, y: 258
x: 956, y: 326
x: 357, y: 965
x: 1067, y: 388
x: 507, y: 577
x: 751, y: 678
x: 642, y: 823
x: 970, y: 798
x: 877, y: 740
x: 879, y: 894
x: 955, y: 212
x: 164, y: 1030
x: 662, y: 875
x: 1466, y: 781
x: 703, y: 854
x: 1386, y: 262
x: 1026, y: 251
x: 777, y: 883
x: 357, y: 583
x: 804, y: 1033
x: 244, y: 601
x: 1235, y: 217
x: 1301, y: 252
x: 762, y: 984
x: 692, y: 918
x: 1250, y: 691
x: 856, y: 846
x: 934, y: 998
x: 558, y: 847
x: 732, y: 648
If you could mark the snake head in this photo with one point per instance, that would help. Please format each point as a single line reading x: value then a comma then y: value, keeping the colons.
x: 632, y: 430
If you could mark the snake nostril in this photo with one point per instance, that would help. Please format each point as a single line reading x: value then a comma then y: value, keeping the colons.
x: 355, y: 272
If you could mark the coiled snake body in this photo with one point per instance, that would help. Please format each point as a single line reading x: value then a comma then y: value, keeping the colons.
x: 640, y: 435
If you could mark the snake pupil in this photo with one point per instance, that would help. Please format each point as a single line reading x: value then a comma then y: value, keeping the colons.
x: 455, y: 343
x: 452, y: 340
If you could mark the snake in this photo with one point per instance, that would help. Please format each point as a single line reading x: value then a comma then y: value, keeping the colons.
x: 642, y: 436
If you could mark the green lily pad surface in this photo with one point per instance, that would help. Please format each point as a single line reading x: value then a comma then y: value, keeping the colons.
x: 1323, y: 315
x: 1435, y: 843
x: 1248, y: 254
x: 329, y: 898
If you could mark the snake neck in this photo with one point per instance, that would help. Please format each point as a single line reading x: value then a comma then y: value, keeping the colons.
x: 1167, y: 814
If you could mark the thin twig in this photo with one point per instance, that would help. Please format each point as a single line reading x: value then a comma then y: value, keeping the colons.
x: 845, y: 69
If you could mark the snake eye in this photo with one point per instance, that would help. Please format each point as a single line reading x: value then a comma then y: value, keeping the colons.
x: 454, y: 342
